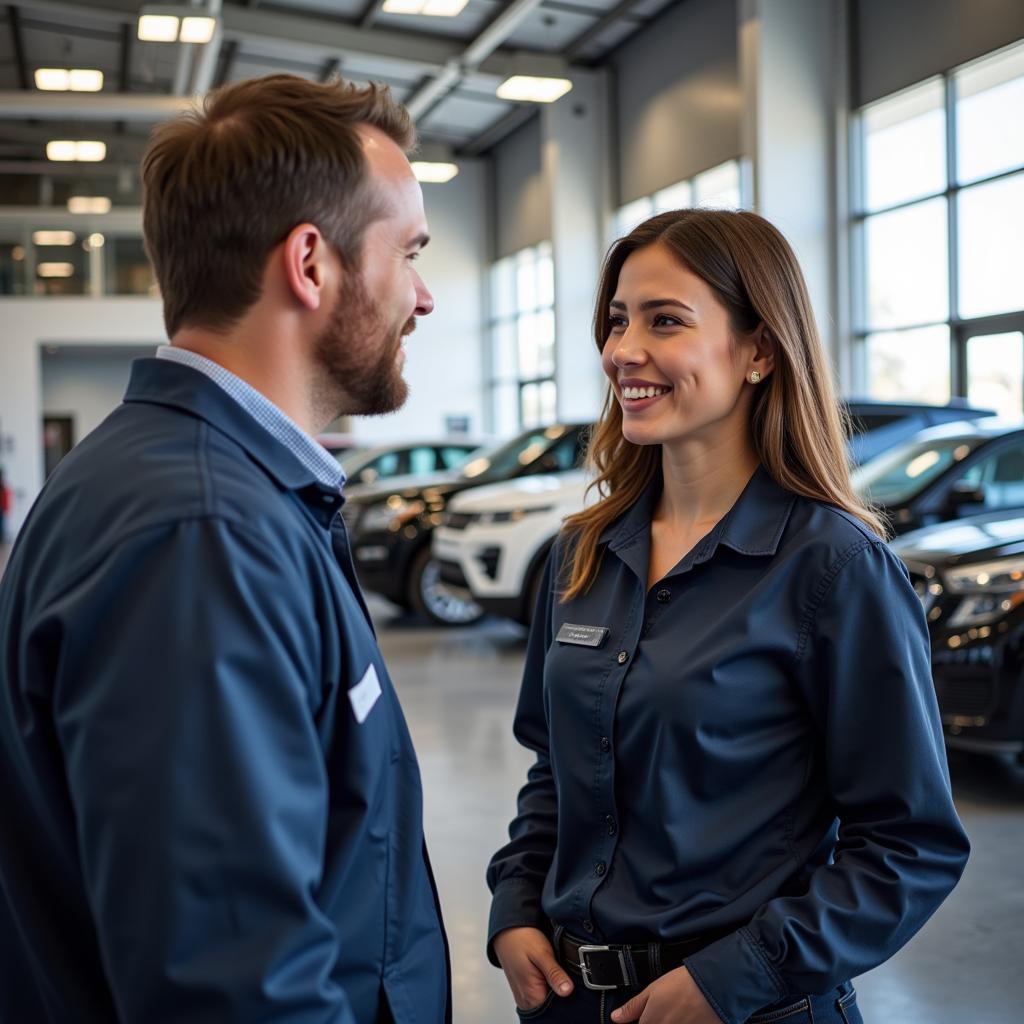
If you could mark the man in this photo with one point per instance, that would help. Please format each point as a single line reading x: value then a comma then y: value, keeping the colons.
x: 211, y: 808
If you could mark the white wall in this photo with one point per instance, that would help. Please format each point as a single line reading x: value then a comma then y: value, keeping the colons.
x: 444, y: 357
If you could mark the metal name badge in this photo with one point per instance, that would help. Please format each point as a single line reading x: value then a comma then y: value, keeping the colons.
x: 583, y: 636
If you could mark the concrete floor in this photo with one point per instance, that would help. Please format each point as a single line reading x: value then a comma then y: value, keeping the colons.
x: 459, y: 689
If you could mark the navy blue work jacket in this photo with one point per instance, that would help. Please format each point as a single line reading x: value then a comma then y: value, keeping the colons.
x: 208, y: 813
x: 754, y: 749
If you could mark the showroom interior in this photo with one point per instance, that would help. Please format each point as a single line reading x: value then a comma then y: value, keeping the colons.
x: 884, y: 138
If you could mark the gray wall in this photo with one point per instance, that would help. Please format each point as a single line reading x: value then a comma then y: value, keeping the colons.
x: 899, y: 43
x: 522, y: 198
x: 677, y: 96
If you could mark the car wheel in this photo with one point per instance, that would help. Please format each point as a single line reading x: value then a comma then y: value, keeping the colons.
x: 432, y: 598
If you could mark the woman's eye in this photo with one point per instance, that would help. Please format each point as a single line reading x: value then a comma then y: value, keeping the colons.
x: 664, y: 320
x: 616, y: 322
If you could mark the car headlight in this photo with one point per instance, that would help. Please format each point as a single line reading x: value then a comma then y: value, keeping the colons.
x: 392, y: 514
x: 990, y: 589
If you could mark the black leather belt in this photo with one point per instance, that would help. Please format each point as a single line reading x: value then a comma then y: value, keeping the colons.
x: 605, y: 967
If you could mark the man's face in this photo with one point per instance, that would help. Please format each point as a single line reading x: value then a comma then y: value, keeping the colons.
x: 360, y: 349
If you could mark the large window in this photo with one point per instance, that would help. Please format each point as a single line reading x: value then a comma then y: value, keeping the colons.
x: 939, y: 231
x: 717, y: 188
x: 522, y: 341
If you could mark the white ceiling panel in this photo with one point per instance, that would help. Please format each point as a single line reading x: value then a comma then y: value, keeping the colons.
x: 344, y: 10
x: 471, y: 116
x: 550, y: 31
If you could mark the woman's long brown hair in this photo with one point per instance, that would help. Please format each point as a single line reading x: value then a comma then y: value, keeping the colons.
x: 797, y: 424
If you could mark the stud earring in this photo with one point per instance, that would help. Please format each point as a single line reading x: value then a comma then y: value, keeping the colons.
x: 755, y: 376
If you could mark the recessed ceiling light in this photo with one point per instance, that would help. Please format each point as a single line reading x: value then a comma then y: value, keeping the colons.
x: 158, y: 28
x: 53, y: 238
x: 530, y: 89
x: 68, y: 149
x: 197, y: 30
x: 55, y: 269
x: 89, y: 204
x: 96, y: 240
x: 434, y: 173
x: 429, y: 8
x: 85, y: 80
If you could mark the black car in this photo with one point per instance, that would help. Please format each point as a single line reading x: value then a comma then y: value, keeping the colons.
x: 947, y: 472
x: 390, y: 526
x: 878, y: 425
x: 969, y: 575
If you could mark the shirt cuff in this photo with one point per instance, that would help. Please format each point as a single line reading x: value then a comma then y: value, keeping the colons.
x: 516, y: 904
x: 735, y: 976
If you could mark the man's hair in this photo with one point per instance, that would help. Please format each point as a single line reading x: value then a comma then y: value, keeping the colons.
x: 226, y: 183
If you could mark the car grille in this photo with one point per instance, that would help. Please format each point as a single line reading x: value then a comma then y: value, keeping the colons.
x: 965, y: 690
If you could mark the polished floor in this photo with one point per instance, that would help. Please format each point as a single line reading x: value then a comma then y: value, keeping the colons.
x: 459, y: 689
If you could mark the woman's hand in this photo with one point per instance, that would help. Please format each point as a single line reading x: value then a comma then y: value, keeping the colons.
x: 528, y: 960
x: 673, y: 999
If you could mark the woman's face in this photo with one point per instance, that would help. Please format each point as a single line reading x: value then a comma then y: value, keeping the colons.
x: 677, y: 369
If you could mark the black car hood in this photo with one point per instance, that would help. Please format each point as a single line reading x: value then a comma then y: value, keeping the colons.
x: 430, y: 489
x: 974, y: 539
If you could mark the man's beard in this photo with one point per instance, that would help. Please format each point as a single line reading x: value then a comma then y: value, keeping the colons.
x: 356, y: 353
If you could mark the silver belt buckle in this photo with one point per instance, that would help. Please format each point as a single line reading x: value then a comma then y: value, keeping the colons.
x: 585, y: 970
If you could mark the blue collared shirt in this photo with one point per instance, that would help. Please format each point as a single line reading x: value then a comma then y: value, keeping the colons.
x: 317, y: 459
x: 754, y: 749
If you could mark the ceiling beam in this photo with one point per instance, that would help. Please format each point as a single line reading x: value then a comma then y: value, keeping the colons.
x: 619, y: 12
x: 18, y: 44
x: 125, y: 68
x: 83, y: 106
x: 370, y: 12
x: 331, y: 67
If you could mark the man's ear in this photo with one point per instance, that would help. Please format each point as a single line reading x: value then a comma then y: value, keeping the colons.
x: 307, y: 268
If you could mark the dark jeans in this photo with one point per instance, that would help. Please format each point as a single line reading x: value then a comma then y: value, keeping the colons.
x: 586, y: 1007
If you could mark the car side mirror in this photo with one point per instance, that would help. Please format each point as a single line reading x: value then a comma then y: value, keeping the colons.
x: 961, y: 496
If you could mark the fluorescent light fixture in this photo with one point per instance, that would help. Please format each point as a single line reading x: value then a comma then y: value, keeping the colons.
x: 429, y: 8
x: 434, y: 173
x: 55, y: 269
x: 197, y: 30
x: 89, y: 204
x: 158, y: 28
x: 528, y: 89
x: 85, y: 80
x: 53, y: 238
x: 67, y: 149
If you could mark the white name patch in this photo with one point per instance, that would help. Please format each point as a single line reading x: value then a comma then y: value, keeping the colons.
x: 364, y: 694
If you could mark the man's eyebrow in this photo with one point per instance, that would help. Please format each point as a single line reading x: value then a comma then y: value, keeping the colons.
x: 419, y: 241
x: 654, y: 304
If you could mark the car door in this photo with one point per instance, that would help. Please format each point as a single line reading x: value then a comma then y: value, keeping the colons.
x: 992, y: 481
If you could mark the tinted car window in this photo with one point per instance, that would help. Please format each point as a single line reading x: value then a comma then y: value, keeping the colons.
x: 897, y: 475
x: 1000, y: 475
x: 452, y: 456
x: 422, y: 460
x: 514, y: 456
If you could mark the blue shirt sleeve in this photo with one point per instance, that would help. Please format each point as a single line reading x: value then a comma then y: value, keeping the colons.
x: 865, y: 673
x: 517, y: 871
x: 185, y: 705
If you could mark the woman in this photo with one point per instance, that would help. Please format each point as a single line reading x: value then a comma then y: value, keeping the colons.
x: 740, y: 797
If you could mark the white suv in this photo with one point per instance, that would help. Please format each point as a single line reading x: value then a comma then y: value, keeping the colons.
x: 493, y: 541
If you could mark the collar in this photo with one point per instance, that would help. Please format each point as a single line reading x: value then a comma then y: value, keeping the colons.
x: 753, y: 526
x: 177, y: 386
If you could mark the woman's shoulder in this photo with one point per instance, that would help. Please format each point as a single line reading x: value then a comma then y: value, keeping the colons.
x: 831, y: 533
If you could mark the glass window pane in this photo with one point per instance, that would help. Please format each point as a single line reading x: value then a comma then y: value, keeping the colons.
x: 423, y: 460
x: 545, y: 276
x: 719, y: 188
x: 12, y: 268
x: 133, y: 274
x: 506, y: 409
x: 908, y: 276
x: 529, y: 354
x: 547, y: 401
x: 61, y: 269
x: 1001, y: 476
x: 545, y: 327
x: 989, y: 122
x: 529, y: 396
x: 632, y: 214
x: 526, y: 281
x: 503, y: 288
x: 904, y: 146
x: 504, y: 350
x: 992, y: 247
x: 675, y: 197
x: 995, y: 372
x: 909, y: 366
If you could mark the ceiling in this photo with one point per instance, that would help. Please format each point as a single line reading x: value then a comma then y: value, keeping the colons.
x: 446, y: 69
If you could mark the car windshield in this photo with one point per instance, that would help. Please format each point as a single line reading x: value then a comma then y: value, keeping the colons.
x: 895, y: 476
x: 510, y: 458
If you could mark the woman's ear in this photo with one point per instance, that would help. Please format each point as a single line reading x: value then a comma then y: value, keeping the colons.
x: 763, y: 359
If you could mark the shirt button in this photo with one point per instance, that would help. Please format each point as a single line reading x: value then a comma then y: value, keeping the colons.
x: 588, y: 927
x: 623, y: 657
x: 606, y: 744
x: 612, y: 827
x: 664, y: 596
x: 599, y: 868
